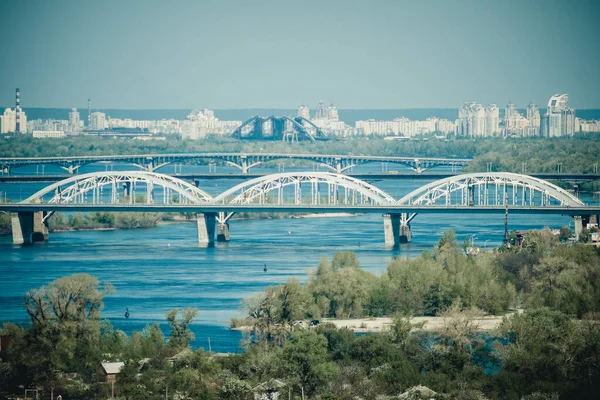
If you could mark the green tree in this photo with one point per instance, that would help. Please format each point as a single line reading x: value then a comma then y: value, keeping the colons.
x: 181, y: 333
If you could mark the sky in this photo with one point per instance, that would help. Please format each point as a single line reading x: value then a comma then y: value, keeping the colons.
x: 372, y: 54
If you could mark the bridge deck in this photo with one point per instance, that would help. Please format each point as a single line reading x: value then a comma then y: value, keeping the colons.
x: 312, y: 209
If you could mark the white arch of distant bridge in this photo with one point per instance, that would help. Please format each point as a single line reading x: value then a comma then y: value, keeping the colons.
x: 322, y: 190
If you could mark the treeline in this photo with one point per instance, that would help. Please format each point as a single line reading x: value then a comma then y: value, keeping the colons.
x: 59, y: 222
x: 542, y: 353
x: 105, y: 220
x: 543, y: 272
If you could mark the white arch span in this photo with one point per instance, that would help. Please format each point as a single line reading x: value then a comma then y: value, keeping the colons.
x: 491, y: 188
x: 76, y: 188
x: 355, y: 190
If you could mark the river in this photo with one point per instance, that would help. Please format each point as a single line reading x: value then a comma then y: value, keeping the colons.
x: 155, y: 270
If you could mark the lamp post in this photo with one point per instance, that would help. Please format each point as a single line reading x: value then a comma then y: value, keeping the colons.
x: 485, y: 243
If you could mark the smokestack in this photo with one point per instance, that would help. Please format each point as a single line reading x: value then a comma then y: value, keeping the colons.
x: 18, y: 109
x: 89, y: 114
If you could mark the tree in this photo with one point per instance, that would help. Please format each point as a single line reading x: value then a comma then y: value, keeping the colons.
x: 74, y: 300
x: 305, y: 361
x: 565, y: 234
x: 181, y: 333
x: 65, y: 330
x: 541, y: 354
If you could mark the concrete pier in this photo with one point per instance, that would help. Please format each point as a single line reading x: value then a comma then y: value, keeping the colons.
x: 391, y: 229
x: 223, y: 232
x: 206, y: 229
x: 396, y: 229
x: 405, y: 232
x: 29, y: 227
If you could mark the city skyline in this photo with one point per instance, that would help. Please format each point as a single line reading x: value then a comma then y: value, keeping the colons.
x: 232, y: 55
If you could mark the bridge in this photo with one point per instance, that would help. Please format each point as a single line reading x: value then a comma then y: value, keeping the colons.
x: 367, y: 176
x: 244, y: 161
x: 279, y: 128
x: 294, y: 192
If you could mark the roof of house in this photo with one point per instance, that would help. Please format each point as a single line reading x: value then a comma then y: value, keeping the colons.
x: 112, y: 367
x: 271, y: 384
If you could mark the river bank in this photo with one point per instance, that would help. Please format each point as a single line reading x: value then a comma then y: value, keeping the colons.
x: 382, y: 324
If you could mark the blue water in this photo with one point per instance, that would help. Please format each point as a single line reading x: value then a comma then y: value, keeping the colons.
x: 155, y: 270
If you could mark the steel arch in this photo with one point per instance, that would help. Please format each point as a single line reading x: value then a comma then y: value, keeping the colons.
x: 257, y: 123
x: 78, y: 186
x: 355, y: 190
x: 474, y: 188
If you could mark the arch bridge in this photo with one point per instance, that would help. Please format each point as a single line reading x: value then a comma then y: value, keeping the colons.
x: 244, y: 161
x: 291, y: 192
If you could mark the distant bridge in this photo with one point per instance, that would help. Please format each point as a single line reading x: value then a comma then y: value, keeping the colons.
x: 243, y: 161
x: 295, y: 192
x: 285, y: 129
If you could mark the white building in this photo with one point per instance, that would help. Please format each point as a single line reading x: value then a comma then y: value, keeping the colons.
x: 200, y: 123
x: 476, y: 121
x: 98, y: 121
x: 303, y: 112
x: 74, y: 121
x: 559, y: 120
x: 533, y: 119
x: 48, y: 134
x: 588, y: 126
x: 326, y: 118
x: 404, y: 127
x: 8, y: 121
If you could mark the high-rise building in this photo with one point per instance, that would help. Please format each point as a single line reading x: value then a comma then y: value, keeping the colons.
x: 322, y: 111
x: 476, y: 121
x: 533, y: 118
x: 559, y: 120
x: 303, y: 112
x: 74, y: 121
x: 98, y: 121
x: 8, y: 121
x: 492, y: 120
x: 332, y: 113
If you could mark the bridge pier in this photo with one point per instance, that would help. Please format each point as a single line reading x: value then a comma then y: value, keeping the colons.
x: 391, y: 229
x: 223, y: 232
x: 29, y: 227
x: 405, y: 232
x: 396, y: 228
x: 206, y: 229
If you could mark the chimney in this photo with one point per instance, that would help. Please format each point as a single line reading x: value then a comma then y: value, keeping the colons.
x: 18, y: 109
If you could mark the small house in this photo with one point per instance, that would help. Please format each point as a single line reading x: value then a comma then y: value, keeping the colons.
x: 108, y: 371
x: 268, y: 390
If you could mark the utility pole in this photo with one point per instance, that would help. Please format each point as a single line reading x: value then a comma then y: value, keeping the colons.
x: 506, y: 235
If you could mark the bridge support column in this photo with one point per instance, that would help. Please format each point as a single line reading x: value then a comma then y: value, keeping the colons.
x: 579, y: 225
x: 405, y: 235
x: 223, y: 232
x: 28, y: 227
x: 206, y: 229
x: 391, y: 229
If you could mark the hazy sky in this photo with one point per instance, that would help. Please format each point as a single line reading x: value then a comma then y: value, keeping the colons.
x: 279, y: 54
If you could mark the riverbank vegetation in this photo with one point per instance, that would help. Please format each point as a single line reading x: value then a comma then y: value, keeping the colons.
x: 59, y: 222
x: 543, y: 272
x: 550, y: 350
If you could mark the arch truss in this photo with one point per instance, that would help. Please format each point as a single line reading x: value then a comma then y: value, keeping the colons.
x: 295, y: 188
x: 491, y: 188
x: 279, y: 128
x: 115, y: 187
